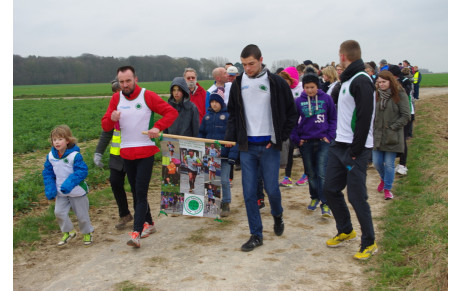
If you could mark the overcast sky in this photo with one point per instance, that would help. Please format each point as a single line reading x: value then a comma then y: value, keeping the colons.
x: 416, y: 30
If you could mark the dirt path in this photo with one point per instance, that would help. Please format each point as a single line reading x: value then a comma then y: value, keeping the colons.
x: 190, y: 253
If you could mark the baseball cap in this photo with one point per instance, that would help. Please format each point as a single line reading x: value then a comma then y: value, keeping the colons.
x: 232, y: 70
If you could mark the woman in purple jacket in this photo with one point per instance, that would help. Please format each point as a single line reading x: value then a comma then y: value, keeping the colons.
x: 313, y: 133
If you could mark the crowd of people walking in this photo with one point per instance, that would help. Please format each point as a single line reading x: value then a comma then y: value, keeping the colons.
x: 340, y: 118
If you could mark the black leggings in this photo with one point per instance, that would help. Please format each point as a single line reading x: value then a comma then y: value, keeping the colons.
x: 139, y: 173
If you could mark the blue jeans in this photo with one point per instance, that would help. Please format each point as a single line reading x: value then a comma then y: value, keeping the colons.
x: 384, y: 163
x: 225, y: 180
x: 314, y: 156
x: 268, y: 160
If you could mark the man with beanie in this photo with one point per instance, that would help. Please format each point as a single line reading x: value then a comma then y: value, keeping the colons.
x: 261, y: 116
x: 383, y: 65
x: 349, y: 154
x: 213, y: 127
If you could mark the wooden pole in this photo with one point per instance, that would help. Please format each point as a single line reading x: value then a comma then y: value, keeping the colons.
x: 224, y: 142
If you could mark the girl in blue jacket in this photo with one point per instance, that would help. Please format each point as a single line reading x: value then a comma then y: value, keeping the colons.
x: 64, y: 176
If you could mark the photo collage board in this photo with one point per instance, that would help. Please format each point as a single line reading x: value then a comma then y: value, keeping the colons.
x: 190, y: 182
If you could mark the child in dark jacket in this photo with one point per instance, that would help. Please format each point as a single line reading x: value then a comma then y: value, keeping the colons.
x: 64, y: 176
x: 188, y: 121
x: 213, y: 126
x: 313, y: 134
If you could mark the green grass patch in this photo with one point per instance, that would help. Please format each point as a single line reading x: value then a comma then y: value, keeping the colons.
x: 33, y: 121
x: 435, y: 80
x: 31, y: 228
x: 130, y: 286
x: 416, y: 220
x: 94, y: 89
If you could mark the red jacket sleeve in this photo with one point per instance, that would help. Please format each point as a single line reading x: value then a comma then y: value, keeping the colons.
x: 158, y: 105
x: 107, y: 123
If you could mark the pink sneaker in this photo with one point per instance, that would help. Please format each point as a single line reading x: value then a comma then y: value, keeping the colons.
x: 380, y: 187
x: 302, y: 181
x: 388, y: 194
x: 287, y: 182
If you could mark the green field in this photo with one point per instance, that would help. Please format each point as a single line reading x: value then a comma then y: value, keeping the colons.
x: 434, y: 80
x: 33, y: 120
x: 99, y: 89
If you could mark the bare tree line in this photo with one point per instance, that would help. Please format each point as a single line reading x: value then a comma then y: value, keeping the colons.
x: 88, y: 68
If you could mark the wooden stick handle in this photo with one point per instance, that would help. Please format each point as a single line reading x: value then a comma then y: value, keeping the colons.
x: 194, y: 138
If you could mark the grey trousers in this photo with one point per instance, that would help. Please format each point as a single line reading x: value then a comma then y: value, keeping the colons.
x: 79, y: 205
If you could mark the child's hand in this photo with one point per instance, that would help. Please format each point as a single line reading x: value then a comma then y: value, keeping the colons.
x: 66, y: 188
x: 50, y: 195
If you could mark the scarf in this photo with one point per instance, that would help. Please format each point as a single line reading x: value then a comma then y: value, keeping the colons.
x: 384, y: 96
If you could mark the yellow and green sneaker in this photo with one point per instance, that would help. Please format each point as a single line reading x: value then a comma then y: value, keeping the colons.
x: 67, y: 237
x: 87, y: 239
x: 366, y: 253
x: 340, y: 238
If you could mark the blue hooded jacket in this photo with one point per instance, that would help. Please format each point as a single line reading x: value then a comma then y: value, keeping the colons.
x: 213, y: 126
x: 49, y: 176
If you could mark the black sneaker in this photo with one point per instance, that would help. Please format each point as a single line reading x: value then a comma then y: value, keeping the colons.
x: 279, y: 224
x: 252, y: 243
x: 261, y: 203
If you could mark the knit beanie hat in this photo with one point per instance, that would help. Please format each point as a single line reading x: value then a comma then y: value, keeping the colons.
x: 218, y: 96
x: 310, y: 78
x: 395, y: 70
x: 292, y: 71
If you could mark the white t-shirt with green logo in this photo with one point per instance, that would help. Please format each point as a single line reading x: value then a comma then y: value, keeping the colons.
x: 257, y: 106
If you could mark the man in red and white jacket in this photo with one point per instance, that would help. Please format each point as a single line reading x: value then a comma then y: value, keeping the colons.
x: 132, y: 111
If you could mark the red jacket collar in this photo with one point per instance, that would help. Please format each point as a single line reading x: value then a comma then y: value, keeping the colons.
x: 136, y: 92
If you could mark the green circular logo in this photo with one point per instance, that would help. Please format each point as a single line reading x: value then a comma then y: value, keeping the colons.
x: 193, y: 205
x: 263, y: 88
x: 138, y: 106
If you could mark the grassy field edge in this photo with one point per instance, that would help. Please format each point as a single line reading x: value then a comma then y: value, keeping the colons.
x: 414, y: 249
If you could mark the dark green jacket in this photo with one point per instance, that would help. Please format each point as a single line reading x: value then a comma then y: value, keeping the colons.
x: 389, y: 124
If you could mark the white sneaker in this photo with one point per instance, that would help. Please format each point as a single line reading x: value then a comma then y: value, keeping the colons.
x: 402, y: 170
x: 148, y: 230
